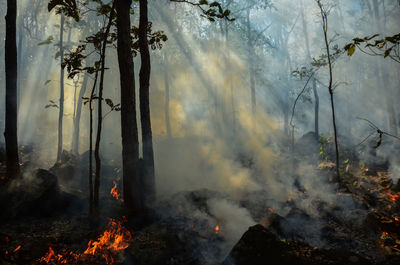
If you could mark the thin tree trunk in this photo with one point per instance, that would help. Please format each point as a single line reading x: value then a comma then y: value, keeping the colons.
x: 316, y: 108
x: 11, y: 66
x: 144, y: 80
x: 76, y: 82
x: 75, y: 135
x: 314, y: 83
x: 100, y: 112
x: 61, y: 104
x: 330, y: 86
x: 167, y: 118
x: 91, y: 143
x: 251, y: 67
x: 132, y: 189
x: 19, y: 51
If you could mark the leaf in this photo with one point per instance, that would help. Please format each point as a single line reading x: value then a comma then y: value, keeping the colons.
x: 109, y: 102
x: 49, y: 40
x: 351, y: 50
x: 53, y: 3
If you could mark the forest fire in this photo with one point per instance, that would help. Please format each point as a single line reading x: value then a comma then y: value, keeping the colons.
x: 393, y: 196
x: 114, y: 191
x: 113, y: 240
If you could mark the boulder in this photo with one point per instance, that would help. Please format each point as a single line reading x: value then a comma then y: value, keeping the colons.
x: 259, y: 246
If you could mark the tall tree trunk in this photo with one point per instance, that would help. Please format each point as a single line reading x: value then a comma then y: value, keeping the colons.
x: 132, y: 189
x: 316, y: 108
x: 10, y: 132
x: 75, y: 134
x: 251, y: 66
x: 19, y: 51
x: 61, y: 104
x: 314, y: 83
x: 144, y: 94
x: 100, y: 111
x: 167, y: 118
x: 324, y: 17
x: 91, y: 196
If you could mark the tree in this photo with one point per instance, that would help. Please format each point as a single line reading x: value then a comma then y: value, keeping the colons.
x: 132, y: 182
x: 145, y: 118
x: 324, y: 17
x: 61, y: 103
x: 314, y: 82
x: 100, y: 107
x: 10, y: 132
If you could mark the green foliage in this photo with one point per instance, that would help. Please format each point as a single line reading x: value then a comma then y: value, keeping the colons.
x: 322, y: 60
x: 386, y: 47
x: 47, y: 41
x: 210, y: 10
x: 67, y: 7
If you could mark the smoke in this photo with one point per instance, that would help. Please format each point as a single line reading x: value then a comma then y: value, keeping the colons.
x: 217, y: 141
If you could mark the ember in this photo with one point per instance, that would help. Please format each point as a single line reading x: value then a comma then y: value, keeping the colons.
x: 217, y: 229
x: 17, y: 248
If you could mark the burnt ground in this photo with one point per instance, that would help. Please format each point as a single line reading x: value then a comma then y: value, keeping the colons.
x: 50, y: 215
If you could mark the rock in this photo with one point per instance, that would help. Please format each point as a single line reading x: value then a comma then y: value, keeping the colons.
x: 259, y: 246
x: 67, y: 167
x: 307, y: 145
x: 38, y: 196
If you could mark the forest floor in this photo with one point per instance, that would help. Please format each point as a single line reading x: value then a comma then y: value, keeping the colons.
x: 369, y: 233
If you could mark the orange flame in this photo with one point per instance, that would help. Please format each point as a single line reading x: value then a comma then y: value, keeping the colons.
x: 217, y: 229
x: 397, y: 219
x: 17, y: 248
x: 393, y: 196
x: 114, y: 239
x: 114, y: 191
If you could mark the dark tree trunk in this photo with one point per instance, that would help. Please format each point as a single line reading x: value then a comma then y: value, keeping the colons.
x: 132, y: 189
x: 11, y: 66
x: 91, y: 142
x: 75, y: 135
x: 100, y: 112
x: 144, y: 80
x: 316, y: 108
x: 61, y: 104
x: 324, y: 17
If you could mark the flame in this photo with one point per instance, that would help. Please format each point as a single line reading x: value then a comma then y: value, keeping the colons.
x: 393, y: 196
x: 51, y: 257
x: 114, y: 239
x: 114, y: 191
x: 397, y: 219
x: 17, y: 248
x: 217, y: 229
x: 272, y: 210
